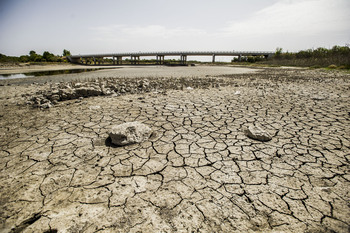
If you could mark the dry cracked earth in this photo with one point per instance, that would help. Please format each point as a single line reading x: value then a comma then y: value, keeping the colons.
x: 198, y: 172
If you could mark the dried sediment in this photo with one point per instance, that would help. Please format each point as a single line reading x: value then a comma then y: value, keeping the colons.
x: 200, y: 172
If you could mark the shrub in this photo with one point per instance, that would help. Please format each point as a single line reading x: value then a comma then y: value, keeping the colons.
x: 337, y: 56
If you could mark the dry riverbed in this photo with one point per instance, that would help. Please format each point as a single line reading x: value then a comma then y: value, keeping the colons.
x: 198, y: 172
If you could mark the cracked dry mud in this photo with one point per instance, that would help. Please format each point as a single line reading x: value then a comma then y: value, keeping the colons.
x: 59, y: 172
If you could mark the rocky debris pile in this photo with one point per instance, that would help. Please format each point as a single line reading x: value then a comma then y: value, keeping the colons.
x: 115, y: 86
x: 130, y: 133
x: 269, y: 78
x: 256, y: 133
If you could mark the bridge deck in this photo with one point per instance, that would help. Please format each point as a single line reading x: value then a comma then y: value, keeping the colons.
x: 179, y: 53
x: 135, y: 57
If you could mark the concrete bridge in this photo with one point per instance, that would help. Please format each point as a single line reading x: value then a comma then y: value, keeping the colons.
x: 160, y: 56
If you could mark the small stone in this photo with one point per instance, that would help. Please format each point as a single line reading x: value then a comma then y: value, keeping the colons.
x: 256, y: 133
x: 77, y: 85
x: 130, y: 133
x: 54, y: 97
x: 95, y: 107
x: 46, y: 105
x: 319, y: 98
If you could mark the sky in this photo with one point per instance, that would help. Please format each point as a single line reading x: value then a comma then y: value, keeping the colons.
x: 112, y: 26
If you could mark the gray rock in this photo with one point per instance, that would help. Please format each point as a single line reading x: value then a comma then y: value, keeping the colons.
x: 54, y: 97
x: 67, y: 94
x: 256, y: 133
x: 130, y: 133
x: 88, y: 91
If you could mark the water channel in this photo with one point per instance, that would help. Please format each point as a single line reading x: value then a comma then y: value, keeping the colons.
x: 45, y: 73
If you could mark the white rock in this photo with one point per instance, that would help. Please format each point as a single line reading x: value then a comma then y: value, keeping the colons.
x: 254, y: 132
x: 77, y: 85
x: 94, y: 107
x: 46, y: 105
x: 130, y: 133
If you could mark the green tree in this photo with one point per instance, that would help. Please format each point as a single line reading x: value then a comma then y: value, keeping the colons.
x: 32, y: 53
x: 33, y: 56
x: 278, y: 52
x: 47, y: 56
x: 24, y: 58
x: 3, y: 58
x: 66, y: 52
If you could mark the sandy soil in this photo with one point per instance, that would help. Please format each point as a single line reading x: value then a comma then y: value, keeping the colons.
x: 200, y: 172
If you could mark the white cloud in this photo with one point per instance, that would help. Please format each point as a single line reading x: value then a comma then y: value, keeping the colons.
x: 303, y: 17
x: 291, y: 24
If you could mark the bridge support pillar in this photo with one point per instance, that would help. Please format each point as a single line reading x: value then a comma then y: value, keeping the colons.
x: 160, y: 59
x: 183, y: 59
x: 135, y: 60
x: 94, y: 60
x: 74, y: 60
x: 213, y: 58
x: 240, y: 58
x: 113, y: 60
x: 119, y: 60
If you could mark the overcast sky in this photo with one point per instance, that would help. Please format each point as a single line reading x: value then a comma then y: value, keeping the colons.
x: 106, y: 26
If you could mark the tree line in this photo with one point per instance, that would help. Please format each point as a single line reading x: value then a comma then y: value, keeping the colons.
x: 335, y: 57
x: 35, y: 57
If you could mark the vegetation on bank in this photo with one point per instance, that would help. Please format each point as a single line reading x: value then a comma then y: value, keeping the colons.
x: 336, y: 57
x: 34, y: 57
